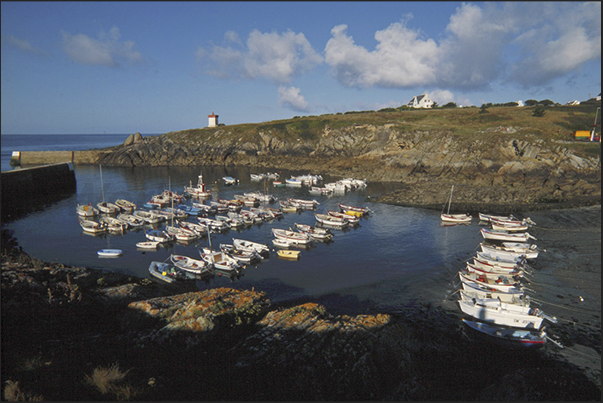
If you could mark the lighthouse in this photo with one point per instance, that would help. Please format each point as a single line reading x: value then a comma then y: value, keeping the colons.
x: 213, y: 120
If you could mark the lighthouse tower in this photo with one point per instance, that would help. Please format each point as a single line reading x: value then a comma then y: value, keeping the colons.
x: 213, y: 120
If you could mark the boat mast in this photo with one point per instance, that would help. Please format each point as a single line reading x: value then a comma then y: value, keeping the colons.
x: 450, y: 201
x: 100, y: 167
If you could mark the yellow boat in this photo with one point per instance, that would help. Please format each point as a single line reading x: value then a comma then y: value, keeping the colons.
x: 288, y: 254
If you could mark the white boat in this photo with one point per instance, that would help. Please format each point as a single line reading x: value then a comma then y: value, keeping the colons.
x: 491, y: 284
x: 272, y: 175
x: 493, y: 274
x: 199, y: 229
x: 447, y: 217
x: 490, y: 266
x: 232, y: 222
x: 282, y: 243
x: 158, y: 236
x: 502, y: 263
x: 132, y: 220
x: 499, y: 225
x: 150, y: 217
x: 353, y: 184
x: 221, y: 261
x: 501, y: 313
x: 351, y: 219
x: 288, y: 207
x: 319, y: 234
x: 190, y: 265
x: 93, y: 227
x: 337, y: 188
x: 113, y: 224
x: 293, y: 182
x: 257, y: 177
x: 523, y: 247
x: 205, y: 208
x: 229, y: 180
x: 303, y: 204
x: 244, y: 257
x: 86, y: 210
x: 509, y: 253
x: 331, y: 221
x: 108, y: 208
x: 181, y: 234
x: 109, y: 253
x: 475, y: 291
x: 148, y: 245
x: 297, y: 238
x: 125, y: 206
x: 249, y: 201
x: 199, y: 191
x: 500, y: 235
x: 320, y: 191
x: 510, y: 336
x: 213, y: 225
x: 353, y: 210
x: 487, y: 217
x: 245, y: 245
x: 261, y: 197
x: 515, y: 221
x: 164, y: 271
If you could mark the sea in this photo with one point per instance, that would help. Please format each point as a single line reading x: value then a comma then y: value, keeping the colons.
x: 396, y: 256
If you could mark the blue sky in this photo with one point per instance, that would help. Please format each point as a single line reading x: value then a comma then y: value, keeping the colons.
x: 155, y: 67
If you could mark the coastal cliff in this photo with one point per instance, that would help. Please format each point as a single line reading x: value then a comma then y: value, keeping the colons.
x: 504, y: 160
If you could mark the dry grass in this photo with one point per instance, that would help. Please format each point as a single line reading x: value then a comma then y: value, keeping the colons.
x: 13, y: 393
x: 111, y: 380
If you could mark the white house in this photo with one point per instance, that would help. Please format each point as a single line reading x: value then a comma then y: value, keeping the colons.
x: 420, y: 101
x: 213, y: 120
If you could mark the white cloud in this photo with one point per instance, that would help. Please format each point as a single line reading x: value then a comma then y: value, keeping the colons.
x: 400, y: 59
x: 105, y: 51
x: 442, y: 97
x: 21, y: 44
x: 291, y: 98
x: 272, y: 56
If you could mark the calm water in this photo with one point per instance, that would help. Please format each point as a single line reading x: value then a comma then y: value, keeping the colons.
x: 396, y: 255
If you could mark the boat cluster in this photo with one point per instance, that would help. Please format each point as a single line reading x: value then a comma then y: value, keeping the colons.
x: 492, y: 292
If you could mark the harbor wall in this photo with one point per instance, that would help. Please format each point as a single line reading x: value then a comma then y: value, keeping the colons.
x: 25, y: 158
x: 27, y: 189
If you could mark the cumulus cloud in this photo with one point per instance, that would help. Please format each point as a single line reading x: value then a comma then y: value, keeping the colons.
x: 442, y: 97
x: 107, y: 50
x: 401, y: 58
x: 272, y: 56
x: 522, y: 43
x: 21, y: 44
x: 291, y: 98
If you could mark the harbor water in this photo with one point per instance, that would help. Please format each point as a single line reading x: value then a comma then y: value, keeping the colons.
x: 396, y: 255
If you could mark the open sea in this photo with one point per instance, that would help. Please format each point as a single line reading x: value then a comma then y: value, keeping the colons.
x: 396, y: 255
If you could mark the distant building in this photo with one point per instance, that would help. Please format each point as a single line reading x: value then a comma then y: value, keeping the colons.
x: 420, y: 101
x: 520, y: 103
x: 213, y: 120
x: 573, y: 102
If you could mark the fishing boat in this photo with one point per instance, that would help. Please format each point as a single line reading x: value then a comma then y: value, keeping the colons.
x: 351, y: 219
x: 500, y: 235
x: 181, y: 234
x: 205, y: 209
x: 489, y: 266
x: 319, y: 234
x: 243, y: 257
x: 189, y: 210
x: 190, y: 265
x: 109, y: 253
x: 473, y: 290
x: 282, y: 243
x: 483, y: 282
x: 320, y: 191
x: 261, y: 197
x: 221, y: 261
x: 297, y: 238
x: 287, y: 207
x: 511, y: 337
x: 502, y: 313
x: 523, y: 247
x: 158, y: 236
x: 86, y: 210
x: 510, y: 253
x: 148, y: 245
x: 150, y: 217
x: 331, y: 221
x: 165, y: 272
x: 213, y: 225
x: 293, y: 182
x: 93, y: 227
x: 499, y: 225
x: 303, y: 204
x: 353, y: 210
x: 447, y: 217
x: 245, y: 245
x: 229, y: 180
x: 132, y: 220
x: 494, y: 274
x: 200, y: 191
x: 488, y: 217
x: 288, y: 254
x: 125, y: 206
x: 113, y: 224
x: 353, y: 184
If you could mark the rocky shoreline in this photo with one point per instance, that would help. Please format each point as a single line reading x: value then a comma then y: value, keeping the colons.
x: 82, y: 334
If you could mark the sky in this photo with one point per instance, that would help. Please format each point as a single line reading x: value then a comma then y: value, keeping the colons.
x: 155, y: 67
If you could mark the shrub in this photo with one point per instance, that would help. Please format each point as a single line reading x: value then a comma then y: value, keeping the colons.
x: 13, y: 393
x: 110, y: 380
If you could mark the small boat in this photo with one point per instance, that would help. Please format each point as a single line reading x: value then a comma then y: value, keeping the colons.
x: 165, y: 272
x: 282, y: 243
x: 320, y: 191
x: 181, y: 234
x: 150, y: 217
x: 509, y: 253
x: 475, y: 291
x: 109, y: 253
x: 500, y: 235
x: 337, y: 188
x: 132, y: 220
x: 93, y: 227
x: 158, y: 236
x: 261, y: 197
x: 114, y: 225
x: 244, y: 257
x: 287, y: 207
x: 510, y: 336
x: 297, y: 238
x: 487, y: 265
x: 351, y: 219
x: 354, y: 211
x: 213, y: 225
x: 205, y: 208
x: 353, y: 184
x: 523, y: 247
x: 200, y: 191
x: 190, y: 265
x: 319, y: 234
x: 447, y: 217
x: 288, y: 254
x: 86, y: 210
x: 483, y: 282
x: 488, y: 217
x: 493, y: 274
x: 125, y: 206
x: 244, y: 245
x: 229, y: 180
x: 148, y: 245
x: 108, y: 208
x: 278, y: 184
x: 499, y: 225
x: 189, y: 210
x: 303, y: 204
x: 293, y: 182
x: 221, y: 261
x: 502, y: 313
x: 257, y: 177
x: 331, y: 221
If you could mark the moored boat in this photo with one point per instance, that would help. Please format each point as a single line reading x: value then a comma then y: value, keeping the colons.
x: 109, y: 253
x: 510, y: 336
x: 353, y: 210
x: 125, y: 206
x: 288, y: 254
x: 245, y: 245
x: 500, y: 235
x: 297, y: 238
x: 195, y: 266
x: 502, y: 313
x: 331, y: 221
x: 86, y: 210
x: 165, y: 272
x: 93, y: 227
